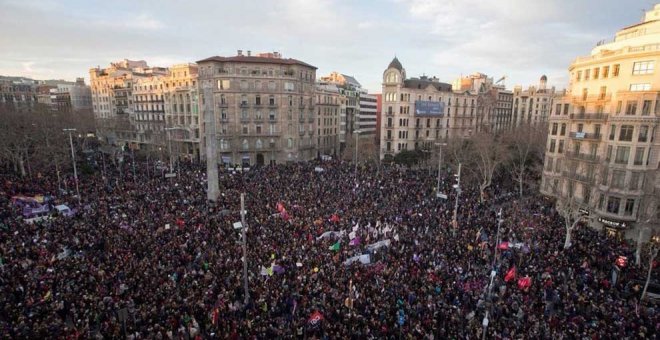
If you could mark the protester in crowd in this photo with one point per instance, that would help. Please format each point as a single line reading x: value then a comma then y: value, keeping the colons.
x: 149, y: 257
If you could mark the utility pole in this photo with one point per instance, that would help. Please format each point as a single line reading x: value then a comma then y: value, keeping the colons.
x: 211, y: 144
x: 243, y: 227
x: 73, y: 160
x: 457, y: 186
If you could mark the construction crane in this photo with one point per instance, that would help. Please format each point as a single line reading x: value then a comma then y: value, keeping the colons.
x: 501, y: 80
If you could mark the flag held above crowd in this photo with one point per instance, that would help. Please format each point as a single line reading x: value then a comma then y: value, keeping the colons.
x: 315, y: 319
x: 378, y: 245
x: 336, y: 246
x: 364, y: 259
x: 524, y: 283
x: 510, y: 275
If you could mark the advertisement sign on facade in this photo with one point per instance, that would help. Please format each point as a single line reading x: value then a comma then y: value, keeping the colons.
x: 429, y: 108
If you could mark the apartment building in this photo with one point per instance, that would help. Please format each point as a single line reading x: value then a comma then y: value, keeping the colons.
x: 328, y: 107
x: 264, y: 107
x: 603, y: 148
x: 494, y: 101
x: 182, y: 111
x: 534, y: 104
x: 418, y: 112
x: 147, y: 112
x: 18, y: 92
x: 366, y: 120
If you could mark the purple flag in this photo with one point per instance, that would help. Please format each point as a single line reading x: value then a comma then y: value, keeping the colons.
x: 355, y: 241
x: 278, y: 269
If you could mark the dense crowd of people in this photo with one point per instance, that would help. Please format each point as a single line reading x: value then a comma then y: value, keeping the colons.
x: 147, y: 257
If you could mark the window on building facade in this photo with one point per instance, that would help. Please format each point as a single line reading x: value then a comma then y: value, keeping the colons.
x: 618, y: 178
x: 630, y: 205
x: 606, y: 71
x: 639, y: 155
x: 613, y: 204
x: 643, y: 133
x: 552, y: 145
x: 587, y: 72
x: 631, y: 107
x: 560, y: 148
x: 223, y: 84
x: 615, y: 70
x: 622, y: 155
x: 608, y: 155
x: 626, y: 133
x: 634, y: 180
x: 579, y: 76
x: 563, y: 129
x: 646, y: 107
x: 554, y: 129
x: 596, y: 73
x: 643, y: 67
x: 640, y: 87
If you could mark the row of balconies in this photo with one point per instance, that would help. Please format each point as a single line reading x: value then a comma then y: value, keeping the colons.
x: 247, y: 119
x: 588, y: 116
x: 585, y: 136
x: 589, y: 98
x: 583, y: 157
x: 270, y: 120
x: 246, y: 105
x: 578, y: 177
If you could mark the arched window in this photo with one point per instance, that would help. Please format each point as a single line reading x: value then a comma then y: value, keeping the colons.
x: 246, y: 145
x: 392, y: 77
x: 259, y: 144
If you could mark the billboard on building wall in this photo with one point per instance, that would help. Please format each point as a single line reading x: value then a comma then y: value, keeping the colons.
x: 429, y: 108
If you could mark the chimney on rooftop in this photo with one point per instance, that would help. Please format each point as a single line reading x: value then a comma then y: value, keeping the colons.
x: 240, y: 53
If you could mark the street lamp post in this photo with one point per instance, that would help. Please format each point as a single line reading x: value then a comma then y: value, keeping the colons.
x: 244, y: 234
x: 457, y: 186
x: 357, y: 144
x: 169, y: 146
x: 439, y: 145
x: 73, y: 160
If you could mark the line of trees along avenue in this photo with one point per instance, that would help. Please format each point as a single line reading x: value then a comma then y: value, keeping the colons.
x: 32, y: 140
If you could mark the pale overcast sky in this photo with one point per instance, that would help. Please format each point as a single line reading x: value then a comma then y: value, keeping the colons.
x: 522, y: 39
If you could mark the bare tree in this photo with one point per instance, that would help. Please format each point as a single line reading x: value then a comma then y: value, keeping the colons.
x: 367, y: 150
x: 33, y: 139
x: 569, y: 209
x: 646, y: 216
x: 489, y: 154
x: 653, y: 253
x: 16, y: 134
x: 525, y: 146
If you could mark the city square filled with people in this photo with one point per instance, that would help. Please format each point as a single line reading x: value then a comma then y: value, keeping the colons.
x: 332, y: 253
